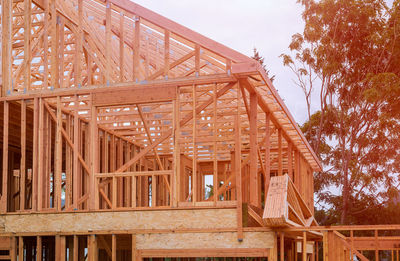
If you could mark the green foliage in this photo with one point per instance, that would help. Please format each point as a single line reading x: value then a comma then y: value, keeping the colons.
x: 352, y: 49
x: 256, y: 56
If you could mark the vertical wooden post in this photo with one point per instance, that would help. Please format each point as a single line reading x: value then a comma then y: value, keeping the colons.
x: 114, y: 247
x: 177, y: 154
x: 304, y: 246
x: 254, y: 197
x: 76, y: 248
x: 136, y: 50
x: 63, y: 245
x: 166, y: 54
x: 108, y: 42
x: 5, y: 158
x: 54, y: 45
x: 6, y: 23
x: 121, y: 46
x: 267, y: 154
x: 238, y: 169
x: 197, y: 60
x: 297, y: 177
x: 41, y: 152
x: 195, y: 188
x: 273, y: 252
x: 282, y: 246
x: 290, y: 159
x: 23, y: 156
x: 27, y: 44
x: 325, y: 246
x: 78, y: 48
x: 58, y: 158
x: 153, y: 191
x: 215, y: 148
x: 35, y: 171
x: 352, y: 243
x: 13, y: 249
x: 76, y: 177
x: 134, y: 252
x: 94, y: 202
x: 20, y: 248
x: 61, y: 52
x: 58, y: 247
x: 280, y: 167
x: 39, y: 255
x: 376, y: 245
x: 92, y: 248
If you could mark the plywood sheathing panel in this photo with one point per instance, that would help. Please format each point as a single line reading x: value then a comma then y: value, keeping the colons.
x: 101, y: 221
x: 204, y: 240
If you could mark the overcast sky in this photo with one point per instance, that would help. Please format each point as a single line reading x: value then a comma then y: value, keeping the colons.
x: 242, y: 25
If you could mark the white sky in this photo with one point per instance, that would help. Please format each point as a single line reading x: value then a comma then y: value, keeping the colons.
x: 242, y: 25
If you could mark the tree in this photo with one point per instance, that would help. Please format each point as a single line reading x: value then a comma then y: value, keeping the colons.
x: 350, y: 53
x: 256, y: 56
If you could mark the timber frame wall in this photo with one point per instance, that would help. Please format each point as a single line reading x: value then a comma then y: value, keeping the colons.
x: 125, y: 136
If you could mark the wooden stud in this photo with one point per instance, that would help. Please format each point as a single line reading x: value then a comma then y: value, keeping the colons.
x: 267, y: 154
x: 238, y: 169
x: 194, y: 131
x: 54, y: 45
x: 197, y: 60
x: 76, y: 248
x: 376, y: 245
x: 27, y: 44
x: 58, y: 158
x: 304, y: 246
x: 114, y: 247
x: 20, y: 248
x: 282, y: 246
x: 5, y: 159
x: 254, y: 196
x: 39, y: 254
x: 35, y: 156
x: 23, y: 156
x: 13, y: 248
x: 121, y: 46
x: 79, y: 46
x: 166, y: 54
x: 108, y: 42
x: 290, y: 160
x: 136, y: 50
x: 134, y: 251
x: 6, y: 24
x: 280, y: 160
x: 215, y: 148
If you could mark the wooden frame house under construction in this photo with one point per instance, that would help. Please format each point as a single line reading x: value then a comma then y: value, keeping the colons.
x: 126, y: 136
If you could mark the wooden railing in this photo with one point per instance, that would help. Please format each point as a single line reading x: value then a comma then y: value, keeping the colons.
x: 134, y: 189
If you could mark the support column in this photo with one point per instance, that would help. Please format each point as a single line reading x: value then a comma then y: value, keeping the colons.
x: 39, y: 255
x: 94, y: 197
x: 267, y: 154
x: 134, y: 250
x: 304, y: 246
x: 5, y: 159
x: 280, y: 160
x: 238, y: 170
x: 20, y: 248
x: 282, y: 246
x: 6, y: 20
x: 13, y: 249
x: 254, y: 192
x: 114, y: 247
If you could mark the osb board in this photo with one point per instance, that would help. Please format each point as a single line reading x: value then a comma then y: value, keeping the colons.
x: 129, y: 220
x: 204, y: 240
x: 135, y: 95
